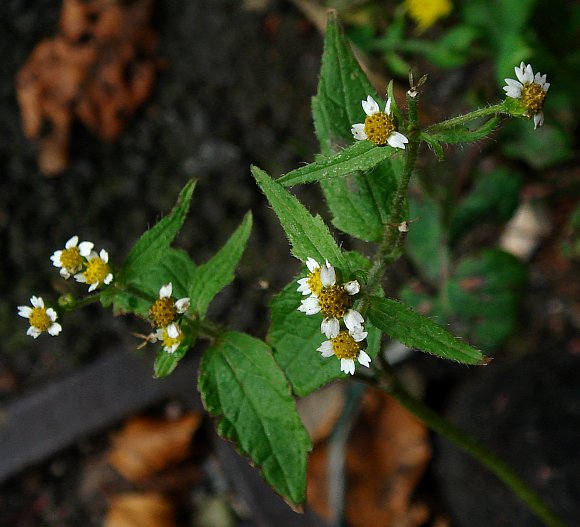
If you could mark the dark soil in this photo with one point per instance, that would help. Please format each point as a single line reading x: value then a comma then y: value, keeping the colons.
x: 235, y: 90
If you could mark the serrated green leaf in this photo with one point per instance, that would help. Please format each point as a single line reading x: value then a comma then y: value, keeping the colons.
x: 295, y: 337
x: 358, y: 202
x: 484, y: 294
x: 434, y: 144
x: 308, y: 234
x: 405, y: 325
x: 459, y: 134
x: 150, y: 248
x: 242, y: 385
x: 361, y: 156
x: 210, y: 278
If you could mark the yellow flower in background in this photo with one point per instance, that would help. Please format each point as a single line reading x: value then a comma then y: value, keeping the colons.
x: 426, y: 12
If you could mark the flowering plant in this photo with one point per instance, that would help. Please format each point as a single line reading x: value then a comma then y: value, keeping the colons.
x: 328, y: 323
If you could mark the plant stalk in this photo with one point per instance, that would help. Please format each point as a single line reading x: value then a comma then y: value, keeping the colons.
x: 468, y: 117
x: 475, y: 449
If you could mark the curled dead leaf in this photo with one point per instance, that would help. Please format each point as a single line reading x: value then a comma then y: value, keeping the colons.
x: 140, y: 510
x: 145, y: 447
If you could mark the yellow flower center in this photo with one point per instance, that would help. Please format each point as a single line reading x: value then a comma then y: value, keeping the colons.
x: 96, y: 271
x: 533, y: 96
x: 163, y: 312
x: 426, y: 12
x: 39, y: 319
x: 71, y: 259
x: 314, y: 282
x: 334, y: 301
x: 344, y: 346
x: 379, y: 127
x: 169, y: 341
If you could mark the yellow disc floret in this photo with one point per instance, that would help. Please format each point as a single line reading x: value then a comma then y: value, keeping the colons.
x: 426, y: 12
x: 171, y: 337
x: 378, y: 128
x: 39, y: 319
x: 344, y: 346
x: 163, y: 312
x: 71, y: 259
x: 334, y: 301
x: 96, y: 271
x: 314, y: 282
x: 533, y: 96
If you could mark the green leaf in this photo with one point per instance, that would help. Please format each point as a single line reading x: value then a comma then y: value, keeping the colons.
x: 308, y: 234
x: 362, y: 155
x: 241, y: 384
x: 425, y: 244
x: 150, y: 248
x: 405, y: 325
x: 459, y: 134
x: 358, y: 202
x: 166, y: 362
x: 295, y: 337
x: 210, y: 278
x: 494, y: 198
x: 175, y: 267
x: 484, y: 294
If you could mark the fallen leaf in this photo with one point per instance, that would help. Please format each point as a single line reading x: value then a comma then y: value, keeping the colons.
x: 140, y: 510
x: 387, y: 454
x: 145, y: 447
x: 99, y: 68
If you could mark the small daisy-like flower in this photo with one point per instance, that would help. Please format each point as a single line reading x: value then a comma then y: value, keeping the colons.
x: 334, y: 302
x: 165, y: 309
x: 312, y: 284
x: 97, y: 270
x: 171, y: 337
x: 426, y: 12
x: 346, y: 346
x: 71, y: 258
x: 41, y: 319
x: 379, y: 127
x: 530, y: 90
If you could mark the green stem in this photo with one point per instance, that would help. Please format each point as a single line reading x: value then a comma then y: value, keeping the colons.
x: 391, y: 235
x: 468, y: 117
x: 487, y: 458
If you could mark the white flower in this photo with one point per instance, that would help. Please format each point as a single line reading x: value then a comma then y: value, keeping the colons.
x: 332, y: 300
x: 530, y: 90
x: 311, y: 284
x: 71, y: 258
x: 171, y: 336
x: 345, y: 346
x: 164, y: 310
x: 379, y: 127
x: 40, y: 318
x: 97, y: 270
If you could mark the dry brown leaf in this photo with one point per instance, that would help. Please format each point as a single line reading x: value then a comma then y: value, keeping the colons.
x: 140, y: 510
x: 145, y: 447
x: 387, y: 454
x: 99, y: 68
x: 320, y: 410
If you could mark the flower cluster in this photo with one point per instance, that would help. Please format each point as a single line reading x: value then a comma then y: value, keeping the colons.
x: 529, y: 91
x: 335, y: 302
x: 80, y: 260
x: 379, y: 127
x: 164, y: 315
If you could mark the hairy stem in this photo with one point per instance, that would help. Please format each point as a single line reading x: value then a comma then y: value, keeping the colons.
x: 468, y: 117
